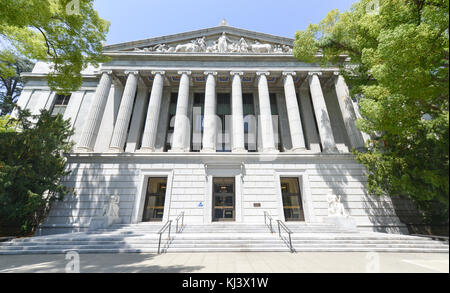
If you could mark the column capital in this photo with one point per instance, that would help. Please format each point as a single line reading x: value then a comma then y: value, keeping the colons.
x: 260, y: 73
x: 187, y: 72
x: 210, y: 73
x: 134, y: 72
x: 240, y: 73
x: 291, y: 73
x: 109, y: 72
x: 312, y: 73
x: 160, y: 72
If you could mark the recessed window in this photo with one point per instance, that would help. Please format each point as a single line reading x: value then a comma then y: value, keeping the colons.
x: 60, y: 105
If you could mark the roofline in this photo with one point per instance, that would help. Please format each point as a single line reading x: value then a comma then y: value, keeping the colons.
x: 190, y: 34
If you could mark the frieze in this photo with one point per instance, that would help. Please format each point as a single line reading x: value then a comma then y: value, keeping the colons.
x: 222, y: 45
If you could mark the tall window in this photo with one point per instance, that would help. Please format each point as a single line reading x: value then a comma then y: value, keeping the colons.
x: 276, y: 121
x: 198, y: 117
x: 171, y: 126
x: 60, y: 105
x: 224, y: 113
x: 250, y: 123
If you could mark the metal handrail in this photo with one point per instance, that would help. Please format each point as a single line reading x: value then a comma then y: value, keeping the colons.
x: 168, y: 225
x: 180, y: 217
x: 285, y: 228
x: 267, y: 217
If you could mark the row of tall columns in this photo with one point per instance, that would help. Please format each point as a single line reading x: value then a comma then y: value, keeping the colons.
x: 182, y: 121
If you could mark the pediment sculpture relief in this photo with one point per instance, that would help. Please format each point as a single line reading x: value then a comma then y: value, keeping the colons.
x: 223, y: 44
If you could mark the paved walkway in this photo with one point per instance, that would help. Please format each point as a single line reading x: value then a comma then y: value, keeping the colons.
x: 230, y: 263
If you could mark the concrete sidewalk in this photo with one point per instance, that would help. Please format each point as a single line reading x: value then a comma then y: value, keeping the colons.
x: 231, y: 263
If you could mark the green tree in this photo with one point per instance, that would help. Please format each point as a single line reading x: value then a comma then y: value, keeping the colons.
x: 67, y: 33
x: 399, y: 57
x: 32, y: 164
x: 11, y: 86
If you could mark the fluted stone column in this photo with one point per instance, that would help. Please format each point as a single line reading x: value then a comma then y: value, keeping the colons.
x: 119, y: 136
x: 237, y: 108
x: 209, y: 122
x: 154, y: 107
x: 321, y: 112
x: 182, y: 121
x: 266, y: 122
x: 95, y: 115
x: 295, y: 122
x: 348, y: 112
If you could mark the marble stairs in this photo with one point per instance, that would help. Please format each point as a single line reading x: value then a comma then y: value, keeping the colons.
x: 221, y: 237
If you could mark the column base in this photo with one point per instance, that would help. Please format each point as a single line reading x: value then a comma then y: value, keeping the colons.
x: 299, y: 150
x: 240, y: 150
x: 115, y: 150
x: 177, y: 151
x: 208, y: 151
x: 84, y: 150
x: 271, y: 151
x: 331, y: 151
x: 146, y: 150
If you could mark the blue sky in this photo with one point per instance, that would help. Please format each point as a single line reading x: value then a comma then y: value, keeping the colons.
x: 133, y: 20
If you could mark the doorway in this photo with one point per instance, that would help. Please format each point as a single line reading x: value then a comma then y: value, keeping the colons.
x: 224, y: 197
x: 154, y: 201
x: 292, y: 200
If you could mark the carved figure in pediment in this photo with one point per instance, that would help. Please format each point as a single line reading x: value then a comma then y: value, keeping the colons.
x: 257, y: 47
x: 214, y: 48
x: 278, y: 49
x: 189, y: 47
x: 287, y: 49
x: 242, y: 46
x: 160, y: 48
x: 223, y: 43
x: 201, y: 44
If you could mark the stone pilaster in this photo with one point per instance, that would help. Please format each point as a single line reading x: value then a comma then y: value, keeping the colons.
x: 95, y: 115
x: 210, y: 125
x: 182, y: 120
x: 266, y: 122
x: 154, y: 107
x: 237, y: 107
x: 295, y: 122
x: 348, y: 112
x: 119, y: 136
x: 321, y: 112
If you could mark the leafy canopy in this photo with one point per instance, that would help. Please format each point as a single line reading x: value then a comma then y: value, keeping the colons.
x: 399, y: 52
x: 68, y: 33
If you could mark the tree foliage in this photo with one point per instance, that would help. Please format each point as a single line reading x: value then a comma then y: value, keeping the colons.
x: 67, y: 33
x: 11, y: 85
x: 32, y: 164
x: 399, y: 52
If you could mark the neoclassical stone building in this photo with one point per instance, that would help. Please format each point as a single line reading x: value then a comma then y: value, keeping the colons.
x: 222, y: 124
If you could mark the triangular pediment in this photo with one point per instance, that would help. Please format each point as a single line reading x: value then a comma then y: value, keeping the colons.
x: 222, y: 39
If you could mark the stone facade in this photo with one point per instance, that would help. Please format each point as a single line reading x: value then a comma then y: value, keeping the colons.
x: 129, y: 129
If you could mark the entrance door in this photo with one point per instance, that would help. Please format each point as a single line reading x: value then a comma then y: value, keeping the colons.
x: 154, y: 202
x: 223, y: 199
x: 292, y: 200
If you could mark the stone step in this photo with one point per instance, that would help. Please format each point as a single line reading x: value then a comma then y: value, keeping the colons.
x: 250, y: 248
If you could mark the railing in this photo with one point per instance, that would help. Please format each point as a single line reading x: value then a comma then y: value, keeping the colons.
x: 168, y: 228
x: 180, y: 217
x: 268, y: 221
x: 168, y: 225
x: 288, y: 231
